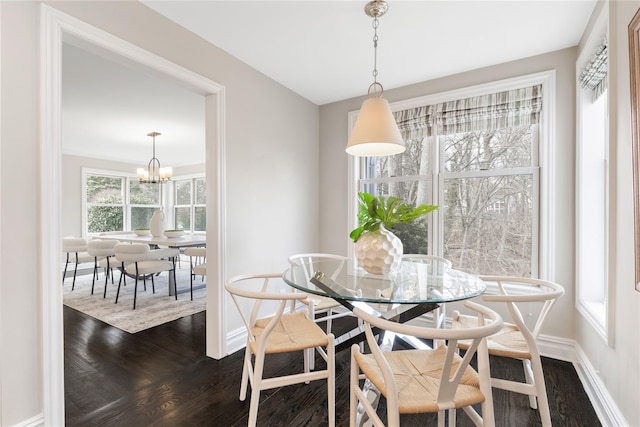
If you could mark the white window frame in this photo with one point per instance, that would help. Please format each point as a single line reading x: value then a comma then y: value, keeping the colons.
x: 546, y: 140
x: 595, y: 305
x: 192, y: 178
x: 127, y: 177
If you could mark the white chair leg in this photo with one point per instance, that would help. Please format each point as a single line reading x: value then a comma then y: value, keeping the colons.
x: 256, y: 387
x: 245, y: 373
x: 310, y: 361
x: 528, y: 374
x: 451, y: 413
x: 543, y: 404
x: 307, y: 356
x: 353, y: 384
x: 484, y: 373
x: 331, y: 381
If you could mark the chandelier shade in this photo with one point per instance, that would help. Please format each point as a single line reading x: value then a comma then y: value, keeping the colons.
x: 154, y: 173
x: 375, y: 132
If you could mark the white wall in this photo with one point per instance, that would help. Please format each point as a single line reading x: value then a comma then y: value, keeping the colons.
x: 619, y: 367
x: 271, y: 172
x: 20, y: 370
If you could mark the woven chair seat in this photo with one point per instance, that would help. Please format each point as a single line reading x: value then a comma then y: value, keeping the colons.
x: 509, y: 342
x: 320, y: 303
x: 417, y: 377
x: 293, y: 332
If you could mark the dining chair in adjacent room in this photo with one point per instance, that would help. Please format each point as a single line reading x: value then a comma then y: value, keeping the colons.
x: 415, y: 381
x: 139, y: 260
x: 197, y: 264
x: 76, y: 252
x: 271, y: 331
x: 517, y: 340
x: 102, y: 252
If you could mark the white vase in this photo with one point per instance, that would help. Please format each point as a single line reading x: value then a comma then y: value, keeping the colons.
x: 379, y: 252
x: 157, y: 224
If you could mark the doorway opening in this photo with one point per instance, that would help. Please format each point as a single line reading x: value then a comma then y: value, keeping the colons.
x: 57, y: 28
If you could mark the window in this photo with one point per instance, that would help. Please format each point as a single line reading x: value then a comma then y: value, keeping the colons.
x: 190, y: 200
x: 144, y: 199
x: 115, y: 201
x: 592, y: 182
x: 478, y: 158
x: 105, y: 197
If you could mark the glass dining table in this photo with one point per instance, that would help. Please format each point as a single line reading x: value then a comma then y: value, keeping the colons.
x: 416, y: 287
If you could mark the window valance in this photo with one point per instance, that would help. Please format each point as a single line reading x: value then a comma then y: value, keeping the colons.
x: 594, y: 74
x: 517, y: 107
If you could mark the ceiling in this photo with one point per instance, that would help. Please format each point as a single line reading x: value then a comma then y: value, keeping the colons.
x: 322, y: 50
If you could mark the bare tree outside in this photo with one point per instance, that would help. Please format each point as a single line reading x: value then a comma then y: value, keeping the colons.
x: 486, y: 200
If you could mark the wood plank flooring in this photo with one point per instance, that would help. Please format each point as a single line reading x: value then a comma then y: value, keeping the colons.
x: 161, y: 377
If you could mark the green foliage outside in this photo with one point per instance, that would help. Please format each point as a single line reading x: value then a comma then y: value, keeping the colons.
x: 106, y: 203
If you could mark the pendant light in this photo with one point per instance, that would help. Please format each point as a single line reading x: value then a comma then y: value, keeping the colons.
x: 375, y: 132
x: 153, y: 173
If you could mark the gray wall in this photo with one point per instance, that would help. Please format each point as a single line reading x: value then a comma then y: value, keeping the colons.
x: 271, y: 174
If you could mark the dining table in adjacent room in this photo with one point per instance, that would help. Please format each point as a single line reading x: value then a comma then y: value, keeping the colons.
x: 185, y: 240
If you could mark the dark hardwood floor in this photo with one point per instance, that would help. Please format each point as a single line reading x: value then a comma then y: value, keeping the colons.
x: 161, y: 377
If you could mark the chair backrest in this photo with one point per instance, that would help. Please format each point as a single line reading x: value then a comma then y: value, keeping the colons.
x: 309, y: 261
x: 101, y: 247
x: 427, y: 258
x: 489, y: 323
x: 244, y: 286
x: 74, y: 244
x: 131, y: 252
x: 514, y: 290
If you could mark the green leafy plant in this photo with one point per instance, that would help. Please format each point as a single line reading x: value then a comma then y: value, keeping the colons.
x: 374, y: 211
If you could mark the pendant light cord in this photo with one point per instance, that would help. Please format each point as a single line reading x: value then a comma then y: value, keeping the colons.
x: 375, y: 85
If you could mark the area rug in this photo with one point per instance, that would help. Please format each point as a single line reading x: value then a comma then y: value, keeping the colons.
x: 151, y: 309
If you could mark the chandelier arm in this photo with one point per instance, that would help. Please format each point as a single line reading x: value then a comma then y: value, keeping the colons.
x: 154, y: 173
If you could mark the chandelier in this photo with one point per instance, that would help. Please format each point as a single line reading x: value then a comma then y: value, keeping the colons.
x: 153, y: 173
x: 375, y: 132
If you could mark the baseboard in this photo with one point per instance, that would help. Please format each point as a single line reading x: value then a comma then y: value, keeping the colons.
x: 37, y: 421
x: 236, y: 340
x: 608, y: 412
x: 603, y: 403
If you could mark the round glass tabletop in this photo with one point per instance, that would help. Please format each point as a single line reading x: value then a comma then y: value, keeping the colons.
x: 416, y: 281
